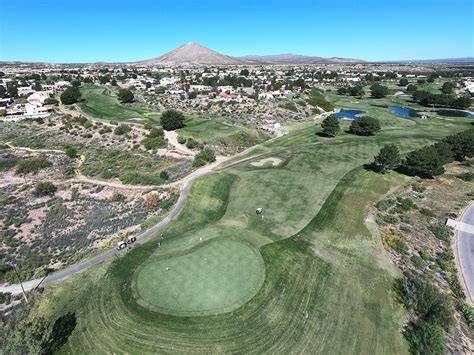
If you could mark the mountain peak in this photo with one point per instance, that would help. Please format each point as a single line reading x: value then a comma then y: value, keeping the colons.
x: 193, y: 53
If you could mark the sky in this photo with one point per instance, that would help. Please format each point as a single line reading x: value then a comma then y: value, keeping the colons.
x: 72, y: 31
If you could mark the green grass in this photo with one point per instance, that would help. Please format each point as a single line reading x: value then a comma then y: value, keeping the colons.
x: 202, y: 129
x: 327, y: 286
x: 219, y: 276
x: 100, y: 102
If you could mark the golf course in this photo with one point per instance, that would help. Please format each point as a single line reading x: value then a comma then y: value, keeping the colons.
x: 307, y: 275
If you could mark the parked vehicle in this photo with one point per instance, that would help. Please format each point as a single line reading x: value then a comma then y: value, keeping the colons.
x: 131, y: 240
x: 121, y: 245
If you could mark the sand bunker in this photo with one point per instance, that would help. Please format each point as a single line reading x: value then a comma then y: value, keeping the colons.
x: 273, y: 161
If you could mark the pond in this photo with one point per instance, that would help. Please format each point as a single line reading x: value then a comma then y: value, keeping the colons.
x: 350, y: 114
x: 454, y: 113
x: 403, y: 111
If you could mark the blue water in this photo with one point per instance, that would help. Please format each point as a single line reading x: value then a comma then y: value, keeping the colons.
x: 403, y: 111
x: 350, y: 114
x: 454, y: 113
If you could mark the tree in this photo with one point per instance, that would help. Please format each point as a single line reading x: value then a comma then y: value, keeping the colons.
x: 448, y: 88
x: 125, y: 95
x: 3, y: 91
x: 244, y: 72
x: 403, y: 82
x: 12, y: 91
x: 330, y: 126
x: 76, y: 83
x: 171, y: 120
x: 113, y: 82
x: 411, y: 88
x: 387, y: 159
x: 424, y: 162
x: 462, y: 144
x: 365, y: 126
x: 37, y: 86
x: 378, y: 91
x: 356, y: 90
x: 342, y: 91
x: 70, y: 96
x: 445, y: 152
x: 29, y: 337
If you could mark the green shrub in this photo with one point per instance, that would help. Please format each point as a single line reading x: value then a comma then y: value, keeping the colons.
x: 32, y: 166
x: 164, y: 175
x: 384, y: 205
x: 425, y: 301
x: 425, y: 255
x: 418, y: 261
x: 425, y: 338
x: 105, y: 130
x: 427, y: 212
x: 405, y: 204
x: 205, y: 156
x: 468, y: 313
x: 8, y: 163
x: 44, y: 188
x: 456, y: 286
x: 441, y: 232
x: 191, y: 143
x: 387, y: 218
x: 117, y: 197
x: 155, y: 132
x: 136, y: 178
x: 466, y: 176
x: 71, y: 152
x: 182, y: 140
x: 445, y: 260
x: 122, y: 129
x: 154, y: 143
x: 420, y: 188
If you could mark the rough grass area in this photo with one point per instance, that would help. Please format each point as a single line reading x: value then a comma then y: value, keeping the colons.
x: 226, y: 137
x: 100, y: 102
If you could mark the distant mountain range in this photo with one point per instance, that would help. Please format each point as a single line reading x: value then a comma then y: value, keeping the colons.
x: 297, y: 59
x: 194, y: 53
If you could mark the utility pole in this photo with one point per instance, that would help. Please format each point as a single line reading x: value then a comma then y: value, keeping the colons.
x: 21, y: 284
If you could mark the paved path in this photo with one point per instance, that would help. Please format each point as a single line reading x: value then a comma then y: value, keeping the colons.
x: 184, y: 190
x: 465, y: 233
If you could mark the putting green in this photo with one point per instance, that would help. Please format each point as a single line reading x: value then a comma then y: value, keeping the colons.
x: 218, y: 277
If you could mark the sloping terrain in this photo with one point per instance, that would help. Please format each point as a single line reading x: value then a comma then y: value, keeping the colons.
x: 192, y: 53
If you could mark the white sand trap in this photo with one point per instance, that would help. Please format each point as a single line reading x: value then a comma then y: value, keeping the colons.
x: 273, y: 161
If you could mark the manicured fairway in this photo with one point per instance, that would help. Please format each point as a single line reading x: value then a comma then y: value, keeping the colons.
x: 219, y: 276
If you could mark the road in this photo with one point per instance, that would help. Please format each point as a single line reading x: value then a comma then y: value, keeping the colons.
x: 466, y: 249
x: 184, y: 191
